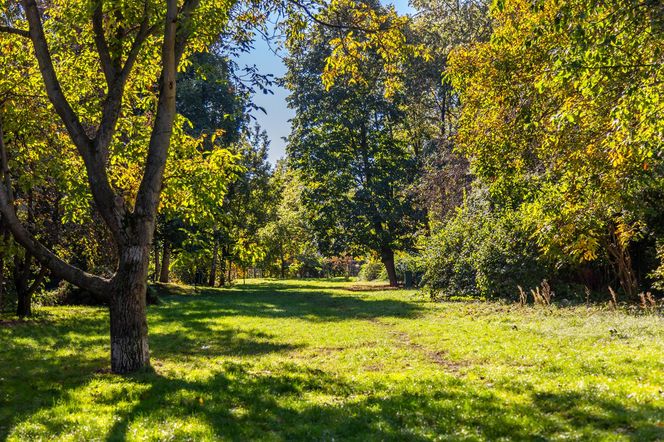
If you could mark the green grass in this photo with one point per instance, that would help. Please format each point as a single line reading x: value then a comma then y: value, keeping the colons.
x: 304, y: 360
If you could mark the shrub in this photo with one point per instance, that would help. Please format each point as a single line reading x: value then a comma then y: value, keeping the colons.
x: 658, y: 274
x: 481, y: 253
x: 372, y: 270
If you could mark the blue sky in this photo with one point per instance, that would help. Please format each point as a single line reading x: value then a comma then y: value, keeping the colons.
x: 275, y: 121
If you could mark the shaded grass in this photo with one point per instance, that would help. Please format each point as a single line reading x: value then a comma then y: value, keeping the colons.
x: 307, y: 360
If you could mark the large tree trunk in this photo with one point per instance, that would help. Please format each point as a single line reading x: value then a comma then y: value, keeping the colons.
x: 213, y: 269
x: 131, y: 231
x: 165, y: 263
x: 387, y: 257
x: 129, y: 328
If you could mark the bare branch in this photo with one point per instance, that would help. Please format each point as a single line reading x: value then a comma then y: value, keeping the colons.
x: 344, y: 26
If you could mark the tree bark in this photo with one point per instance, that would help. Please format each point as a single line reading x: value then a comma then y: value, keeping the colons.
x: 213, y: 268
x: 165, y: 263
x: 222, y: 267
x: 622, y: 263
x: 387, y: 257
x: 24, y: 305
x: 2, y: 284
x: 129, y: 328
x: 283, y: 262
x: 157, y: 268
x: 25, y: 290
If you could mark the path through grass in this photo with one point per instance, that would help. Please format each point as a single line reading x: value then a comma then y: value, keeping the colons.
x: 314, y: 361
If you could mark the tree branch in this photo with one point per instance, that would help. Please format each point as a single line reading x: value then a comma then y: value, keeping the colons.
x: 10, y: 30
x: 113, y: 102
x: 101, y: 44
x: 38, y: 280
x: 106, y: 202
x: 184, y: 27
x: 149, y: 190
x: 53, y: 88
x: 176, y: 34
x: 327, y: 24
x: 47, y: 258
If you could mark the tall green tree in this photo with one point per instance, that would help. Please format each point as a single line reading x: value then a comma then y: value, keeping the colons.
x: 215, y: 111
x: 247, y: 205
x: 287, y: 236
x: 431, y: 104
x: 348, y: 145
x: 562, y: 118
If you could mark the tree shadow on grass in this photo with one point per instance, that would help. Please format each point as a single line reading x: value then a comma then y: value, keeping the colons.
x: 34, y: 371
x: 36, y: 375
x: 281, y: 301
x: 589, y: 410
x: 241, y: 402
x: 282, y: 401
x: 201, y: 341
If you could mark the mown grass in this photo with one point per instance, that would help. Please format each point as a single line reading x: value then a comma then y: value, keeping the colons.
x: 304, y: 360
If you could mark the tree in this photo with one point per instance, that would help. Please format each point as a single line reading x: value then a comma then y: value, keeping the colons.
x: 216, y: 113
x: 247, y: 205
x: 562, y: 118
x: 128, y: 69
x: 287, y: 235
x: 348, y: 146
x: 432, y: 106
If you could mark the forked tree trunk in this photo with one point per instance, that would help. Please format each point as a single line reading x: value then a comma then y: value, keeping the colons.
x: 165, y: 263
x: 24, y: 288
x: 129, y: 328
x: 387, y: 257
x: 131, y: 230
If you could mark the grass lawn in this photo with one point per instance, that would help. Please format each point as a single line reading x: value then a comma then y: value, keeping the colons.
x: 305, y: 360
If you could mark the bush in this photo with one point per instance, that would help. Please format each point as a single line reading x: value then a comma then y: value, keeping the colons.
x: 658, y: 274
x: 372, y: 270
x: 481, y: 253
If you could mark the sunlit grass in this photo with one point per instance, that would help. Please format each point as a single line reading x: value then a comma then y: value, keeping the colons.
x: 312, y: 360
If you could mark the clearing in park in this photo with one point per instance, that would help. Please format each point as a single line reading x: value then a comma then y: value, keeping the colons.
x: 305, y: 360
